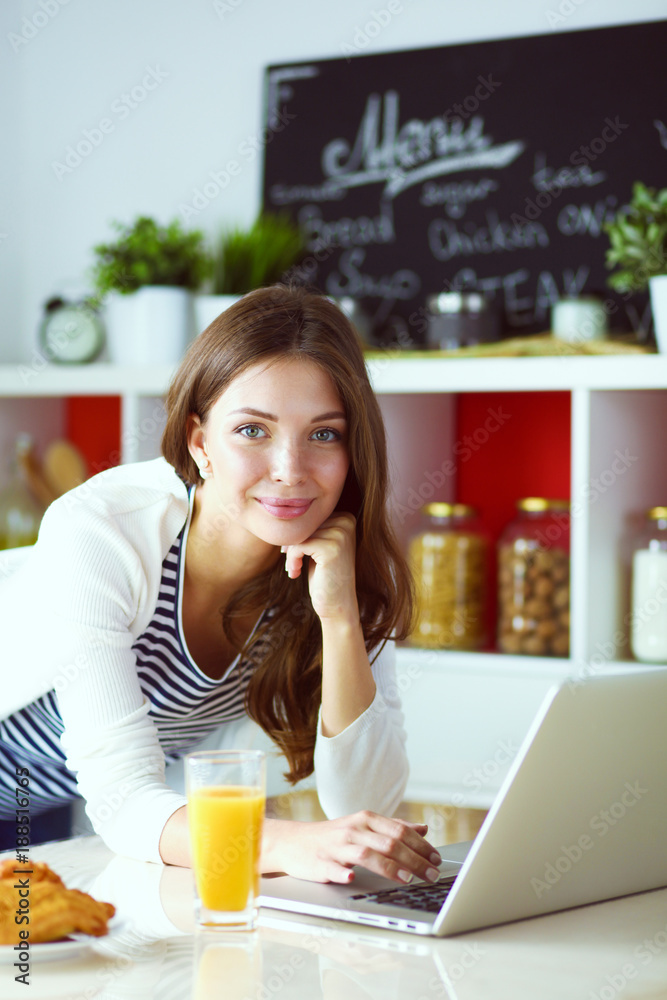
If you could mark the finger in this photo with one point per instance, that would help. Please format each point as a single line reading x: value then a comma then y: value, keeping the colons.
x: 293, y: 561
x: 342, y: 874
x: 343, y: 519
x: 339, y: 529
x: 322, y: 552
x: 324, y: 541
x: 384, y: 856
x: 293, y: 565
x: 336, y: 531
x: 411, y: 833
x: 400, y: 866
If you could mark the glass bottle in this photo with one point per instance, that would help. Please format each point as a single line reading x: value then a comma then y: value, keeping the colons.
x: 20, y: 513
x: 648, y: 639
x: 534, y: 579
x: 448, y: 559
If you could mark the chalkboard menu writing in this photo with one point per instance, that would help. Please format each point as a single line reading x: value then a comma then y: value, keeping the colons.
x: 490, y: 166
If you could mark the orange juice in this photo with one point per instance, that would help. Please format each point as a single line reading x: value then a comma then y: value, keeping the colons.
x: 225, y: 833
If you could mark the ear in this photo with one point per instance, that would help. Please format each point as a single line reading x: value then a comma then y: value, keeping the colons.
x: 196, y: 439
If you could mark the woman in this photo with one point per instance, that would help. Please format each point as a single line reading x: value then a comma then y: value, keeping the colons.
x: 252, y: 569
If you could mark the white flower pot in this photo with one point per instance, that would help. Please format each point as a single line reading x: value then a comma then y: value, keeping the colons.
x: 151, y: 326
x: 209, y: 307
x: 658, y: 291
x: 577, y: 321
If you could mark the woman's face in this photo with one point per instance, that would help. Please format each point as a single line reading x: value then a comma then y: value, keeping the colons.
x: 276, y: 445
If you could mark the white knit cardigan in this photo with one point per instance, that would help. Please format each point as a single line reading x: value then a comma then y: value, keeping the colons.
x: 71, y: 607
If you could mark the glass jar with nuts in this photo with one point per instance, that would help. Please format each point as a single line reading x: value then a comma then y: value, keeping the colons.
x: 448, y: 559
x: 534, y: 580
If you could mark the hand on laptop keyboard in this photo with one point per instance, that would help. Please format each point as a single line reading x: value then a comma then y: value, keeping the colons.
x: 326, y: 851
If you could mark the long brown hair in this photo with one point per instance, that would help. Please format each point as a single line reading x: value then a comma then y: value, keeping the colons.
x: 284, y: 693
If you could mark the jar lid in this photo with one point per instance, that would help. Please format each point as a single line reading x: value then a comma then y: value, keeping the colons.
x: 536, y: 504
x: 448, y: 510
x: 656, y: 513
x: 456, y: 302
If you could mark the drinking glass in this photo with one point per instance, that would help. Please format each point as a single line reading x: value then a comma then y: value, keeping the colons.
x: 226, y: 793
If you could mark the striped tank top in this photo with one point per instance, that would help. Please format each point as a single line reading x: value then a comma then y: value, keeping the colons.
x: 186, y: 705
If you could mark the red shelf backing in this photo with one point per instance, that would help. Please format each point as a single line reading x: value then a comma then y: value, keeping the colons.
x: 526, y: 454
x: 92, y: 424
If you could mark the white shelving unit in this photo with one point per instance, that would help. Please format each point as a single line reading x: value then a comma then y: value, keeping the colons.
x: 389, y: 373
x: 466, y: 714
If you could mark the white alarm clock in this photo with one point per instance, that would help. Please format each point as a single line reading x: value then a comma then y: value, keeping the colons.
x: 71, y: 332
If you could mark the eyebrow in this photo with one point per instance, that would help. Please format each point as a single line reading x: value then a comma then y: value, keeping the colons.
x: 332, y: 415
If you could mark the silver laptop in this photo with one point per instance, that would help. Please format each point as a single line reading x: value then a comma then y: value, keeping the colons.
x: 580, y: 817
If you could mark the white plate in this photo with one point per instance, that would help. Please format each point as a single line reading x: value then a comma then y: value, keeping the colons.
x: 48, y: 951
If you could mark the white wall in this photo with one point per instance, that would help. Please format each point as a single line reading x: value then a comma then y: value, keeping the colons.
x: 10, y: 213
x: 206, y: 58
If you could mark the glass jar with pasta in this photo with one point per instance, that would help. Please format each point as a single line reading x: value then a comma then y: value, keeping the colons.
x: 448, y: 559
x: 534, y: 579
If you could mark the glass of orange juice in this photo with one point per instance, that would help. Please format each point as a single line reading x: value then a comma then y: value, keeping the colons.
x: 226, y: 791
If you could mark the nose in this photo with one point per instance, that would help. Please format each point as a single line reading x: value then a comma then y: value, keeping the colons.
x: 288, y: 465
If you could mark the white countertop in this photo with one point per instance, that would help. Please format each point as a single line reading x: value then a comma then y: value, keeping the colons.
x: 616, y: 949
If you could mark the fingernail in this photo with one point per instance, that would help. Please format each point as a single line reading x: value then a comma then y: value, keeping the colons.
x: 432, y: 874
x: 283, y: 548
x: 405, y: 876
x: 435, y: 858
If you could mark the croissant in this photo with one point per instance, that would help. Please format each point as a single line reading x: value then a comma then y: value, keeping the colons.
x: 39, y: 871
x: 53, y: 911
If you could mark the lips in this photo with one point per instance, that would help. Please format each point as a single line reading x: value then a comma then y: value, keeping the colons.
x: 285, y: 509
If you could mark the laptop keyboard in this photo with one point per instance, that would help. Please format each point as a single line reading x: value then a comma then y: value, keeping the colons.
x: 421, y: 896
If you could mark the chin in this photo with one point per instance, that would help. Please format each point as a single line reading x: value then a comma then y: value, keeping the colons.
x: 286, y: 532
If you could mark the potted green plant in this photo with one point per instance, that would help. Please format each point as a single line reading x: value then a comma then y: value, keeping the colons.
x: 250, y: 258
x: 146, y: 278
x: 638, y: 237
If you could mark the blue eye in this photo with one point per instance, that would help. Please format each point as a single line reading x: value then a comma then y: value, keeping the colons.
x: 251, y: 431
x: 332, y: 435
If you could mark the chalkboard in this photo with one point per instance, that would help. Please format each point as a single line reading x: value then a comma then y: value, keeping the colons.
x: 489, y: 166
